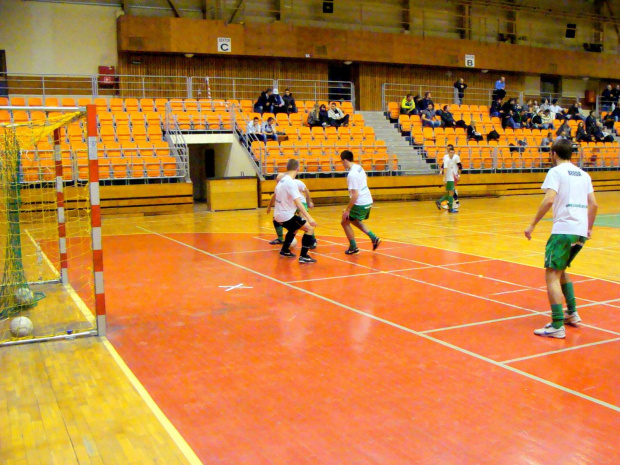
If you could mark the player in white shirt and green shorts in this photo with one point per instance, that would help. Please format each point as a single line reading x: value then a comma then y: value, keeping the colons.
x: 360, y: 204
x: 569, y: 190
x: 450, y: 171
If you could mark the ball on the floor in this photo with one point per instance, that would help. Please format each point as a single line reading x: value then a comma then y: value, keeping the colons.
x: 24, y: 296
x: 444, y: 203
x: 294, y: 243
x: 21, y: 326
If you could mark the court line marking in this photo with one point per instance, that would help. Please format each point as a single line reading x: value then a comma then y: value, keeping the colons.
x: 476, y: 323
x: 247, y: 251
x: 335, y: 277
x: 403, y: 328
x: 566, y: 349
x: 180, y: 442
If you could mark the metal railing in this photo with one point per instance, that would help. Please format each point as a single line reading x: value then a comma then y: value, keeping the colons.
x: 46, y: 85
x: 316, y: 91
x: 441, y: 95
x: 225, y: 88
x: 174, y: 136
x: 601, y: 106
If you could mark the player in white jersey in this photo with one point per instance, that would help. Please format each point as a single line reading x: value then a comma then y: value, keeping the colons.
x: 360, y: 204
x: 569, y: 190
x: 288, y: 202
x: 307, y: 201
x: 449, y: 169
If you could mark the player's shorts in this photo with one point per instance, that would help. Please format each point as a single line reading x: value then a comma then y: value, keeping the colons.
x: 562, y: 249
x: 360, y: 212
x: 293, y: 224
x: 449, y: 186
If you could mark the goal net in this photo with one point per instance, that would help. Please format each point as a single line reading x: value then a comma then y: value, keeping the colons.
x: 49, y: 255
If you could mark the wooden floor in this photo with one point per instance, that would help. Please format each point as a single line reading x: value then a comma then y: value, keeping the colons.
x: 419, y: 353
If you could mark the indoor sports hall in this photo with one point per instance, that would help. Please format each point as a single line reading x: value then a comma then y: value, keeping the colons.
x: 145, y: 318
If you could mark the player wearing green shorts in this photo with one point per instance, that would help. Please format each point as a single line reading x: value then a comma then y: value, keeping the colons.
x: 450, y: 171
x: 303, y: 190
x: 360, y: 204
x: 569, y: 190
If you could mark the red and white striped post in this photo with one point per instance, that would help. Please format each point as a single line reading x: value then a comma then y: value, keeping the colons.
x: 95, y: 217
x: 60, y: 201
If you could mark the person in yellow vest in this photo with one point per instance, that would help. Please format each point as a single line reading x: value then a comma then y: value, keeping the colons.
x: 407, y: 106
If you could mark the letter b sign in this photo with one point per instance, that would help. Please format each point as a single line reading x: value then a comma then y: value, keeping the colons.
x: 470, y: 61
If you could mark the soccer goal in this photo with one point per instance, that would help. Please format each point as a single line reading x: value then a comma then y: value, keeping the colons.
x: 51, y: 261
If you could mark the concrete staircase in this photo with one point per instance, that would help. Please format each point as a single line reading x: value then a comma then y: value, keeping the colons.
x: 409, y: 159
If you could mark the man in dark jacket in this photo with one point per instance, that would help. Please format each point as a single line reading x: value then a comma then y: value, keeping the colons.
x: 460, y: 87
x: 607, y: 98
x: 264, y: 104
x: 289, y: 102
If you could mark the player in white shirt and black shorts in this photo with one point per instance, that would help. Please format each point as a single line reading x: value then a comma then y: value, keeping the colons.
x: 569, y: 190
x: 450, y: 171
x: 288, y: 202
x: 360, y: 204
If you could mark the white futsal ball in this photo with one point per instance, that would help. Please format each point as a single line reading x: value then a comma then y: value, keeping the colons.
x: 294, y: 243
x: 24, y: 296
x: 21, y: 326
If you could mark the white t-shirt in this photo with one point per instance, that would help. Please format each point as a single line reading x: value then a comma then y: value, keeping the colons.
x: 302, y: 189
x: 450, y: 167
x: 286, y: 192
x: 356, y: 180
x: 570, y: 207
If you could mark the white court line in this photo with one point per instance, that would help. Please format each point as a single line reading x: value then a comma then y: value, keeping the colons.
x: 403, y: 328
x: 561, y: 350
x: 476, y: 323
x: 336, y: 277
x: 515, y: 290
x: 247, y: 251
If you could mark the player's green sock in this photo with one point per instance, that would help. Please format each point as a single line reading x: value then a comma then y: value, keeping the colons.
x: 352, y: 244
x: 372, y: 235
x: 557, y: 316
x: 569, y: 295
x: 450, y: 201
x: 444, y: 197
x: 280, y: 232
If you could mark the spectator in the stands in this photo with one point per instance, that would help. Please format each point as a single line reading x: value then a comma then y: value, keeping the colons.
x: 600, y: 135
x: 499, y: 91
x: 318, y: 116
x: 547, y: 120
x: 447, y: 118
x: 418, y: 104
x: 407, y: 106
x: 616, y: 94
x: 460, y: 87
x: 615, y: 115
x: 545, y: 104
x: 472, y: 132
x: 574, y: 112
x: 254, y: 131
x: 546, y: 141
x: 270, y: 129
x: 536, y: 121
x: 508, y: 106
x: 508, y: 120
x: 563, y: 129
x: 278, y: 103
x: 611, y: 118
x: 428, y: 117
x: 521, y: 118
x: 591, y: 121
x: 289, y: 102
x: 607, y: 98
x: 336, y: 116
x: 496, y: 108
x: 582, y: 135
x: 426, y: 101
x: 557, y: 110
x: 264, y: 104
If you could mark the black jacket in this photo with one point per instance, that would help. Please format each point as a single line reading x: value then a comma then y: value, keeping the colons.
x: 461, y: 88
x: 289, y: 103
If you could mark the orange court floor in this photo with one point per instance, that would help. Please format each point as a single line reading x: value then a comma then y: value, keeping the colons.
x: 221, y: 352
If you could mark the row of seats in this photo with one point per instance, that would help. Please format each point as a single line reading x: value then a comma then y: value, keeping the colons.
x: 476, y: 111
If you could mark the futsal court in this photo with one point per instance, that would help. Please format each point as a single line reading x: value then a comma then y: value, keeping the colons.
x: 421, y: 352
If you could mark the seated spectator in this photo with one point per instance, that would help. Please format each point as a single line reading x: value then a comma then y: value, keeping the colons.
x: 316, y: 117
x: 546, y: 142
x: 499, y: 91
x: 336, y: 116
x: 613, y: 117
x: 428, y: 117
x: 536, y: 121
x: 407, y: 106
x: 521, y: 118
x: 460, y: 87
x: 509, y: 106
x: 557, y: 110
x: 472, y: 132
x: 574, y: 112
x: 270, y: 129
x: 418, y: 104
x: 591, y: 121
x: 616, y: 94
x: 278, y: 103
x: 607, y: 98
x: 519, y: 148
x: 547, y: 120
x: 496, y: 108
x: 447, y: 118
x: 426, y: 101
x: 508, y: 120
x: 264, y: 104
x: 562, y: 130
x: 582, y: 135
x: 254, y: 131
x: 600, y: 135
x: 289, y: 102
